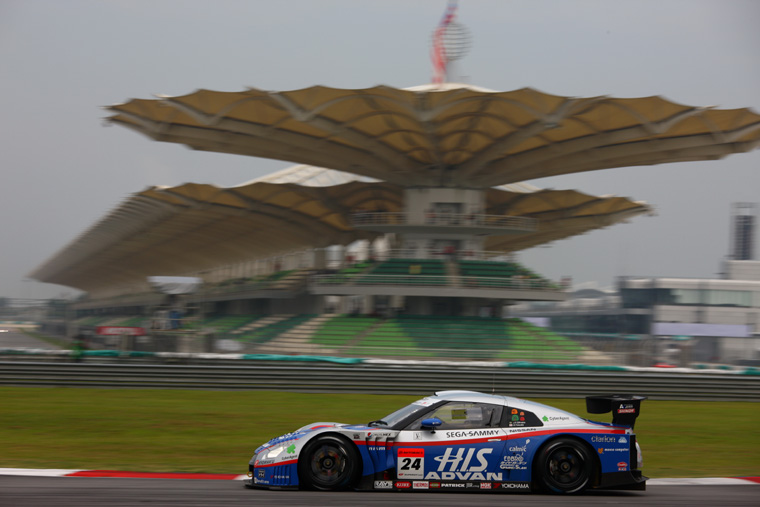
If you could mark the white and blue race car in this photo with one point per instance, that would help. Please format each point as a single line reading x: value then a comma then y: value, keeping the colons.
x: 461, y: 440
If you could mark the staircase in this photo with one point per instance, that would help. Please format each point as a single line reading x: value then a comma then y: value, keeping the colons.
x: 297, y: 341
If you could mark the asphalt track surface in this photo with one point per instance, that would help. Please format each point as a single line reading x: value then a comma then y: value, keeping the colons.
x: 16, y: 339
x: 20, y: 491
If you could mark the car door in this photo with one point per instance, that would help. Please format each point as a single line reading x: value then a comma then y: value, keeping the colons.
x: 524, y: 436
x: 467, y: 446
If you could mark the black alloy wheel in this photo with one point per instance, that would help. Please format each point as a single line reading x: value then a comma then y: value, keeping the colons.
x: 329, y: 463
x: 564, y: 466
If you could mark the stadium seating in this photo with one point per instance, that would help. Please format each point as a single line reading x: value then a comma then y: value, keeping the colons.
x: 407, y: 271
x: 522, y: 276
x: 273, y: 329
x: 444, y: 337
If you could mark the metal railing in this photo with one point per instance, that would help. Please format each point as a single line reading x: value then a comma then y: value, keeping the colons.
x: 464, y: 282
x: 383, y: 379
x: 462, y: 255
x: 365, y: 219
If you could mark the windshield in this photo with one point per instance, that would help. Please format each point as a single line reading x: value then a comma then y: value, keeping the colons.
x: 402, y: 414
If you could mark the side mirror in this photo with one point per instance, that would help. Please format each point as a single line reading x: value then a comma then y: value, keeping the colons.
x: 430, y: 424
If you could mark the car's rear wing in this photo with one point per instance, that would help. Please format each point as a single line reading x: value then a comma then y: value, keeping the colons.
x: 625, y: 408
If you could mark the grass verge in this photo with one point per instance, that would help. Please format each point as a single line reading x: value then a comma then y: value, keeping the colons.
x: 213, y: 431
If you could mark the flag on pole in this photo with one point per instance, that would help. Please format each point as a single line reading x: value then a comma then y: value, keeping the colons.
x: 438, y: 53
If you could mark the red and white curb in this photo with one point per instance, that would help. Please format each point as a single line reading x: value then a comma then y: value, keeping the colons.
x: 58, y: 472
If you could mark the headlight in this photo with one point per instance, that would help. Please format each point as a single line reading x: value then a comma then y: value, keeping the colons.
x: 275, y: 451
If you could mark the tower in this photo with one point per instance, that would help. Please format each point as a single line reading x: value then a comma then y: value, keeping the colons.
x: 743, y: 220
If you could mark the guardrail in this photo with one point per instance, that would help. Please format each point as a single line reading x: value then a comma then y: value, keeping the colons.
x: 392, y: 378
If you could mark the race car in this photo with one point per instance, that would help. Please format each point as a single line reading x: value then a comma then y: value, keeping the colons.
x: 461, y: 440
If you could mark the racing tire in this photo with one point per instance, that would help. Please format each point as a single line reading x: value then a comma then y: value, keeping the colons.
x: 564, y: 466
x: 329, y: 463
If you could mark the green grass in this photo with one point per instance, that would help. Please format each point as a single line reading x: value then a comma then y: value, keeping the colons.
x: 61, y: 344
x: 213, y: 431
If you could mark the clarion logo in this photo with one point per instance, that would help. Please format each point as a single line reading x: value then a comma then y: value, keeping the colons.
x: 603, y: 439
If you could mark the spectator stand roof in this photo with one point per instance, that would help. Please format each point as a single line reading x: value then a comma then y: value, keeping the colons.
x: 193, y: 227
x: 453, y: 135
x: 386, y: 139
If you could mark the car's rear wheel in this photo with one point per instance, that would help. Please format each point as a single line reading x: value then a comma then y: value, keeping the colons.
x: 329, y: 463
x: 564, y: 466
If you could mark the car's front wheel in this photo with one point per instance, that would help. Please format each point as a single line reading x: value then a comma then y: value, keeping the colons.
x: 564, y: 466
x: 329, y: 463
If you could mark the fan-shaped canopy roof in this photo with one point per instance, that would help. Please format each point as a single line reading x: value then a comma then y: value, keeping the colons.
x: 453, y: 135
x: 193, y: 227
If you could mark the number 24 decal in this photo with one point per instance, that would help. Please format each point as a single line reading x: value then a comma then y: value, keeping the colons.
x: 408, y: 463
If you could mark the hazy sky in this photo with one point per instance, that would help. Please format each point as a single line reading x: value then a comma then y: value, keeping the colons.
x: 60, y: 60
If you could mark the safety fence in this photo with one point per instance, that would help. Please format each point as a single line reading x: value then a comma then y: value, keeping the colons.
x: 383, y: 377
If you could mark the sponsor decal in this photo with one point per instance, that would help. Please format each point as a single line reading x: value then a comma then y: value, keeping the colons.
x: 403, y: 485
x: 418, y: 436
x: 435, y: 485
x: 626, y: 411
x: 623, y: 440
x: 471, y: 433
x: 120, y: 331
x: 601, y: 450
x: 604, y: 439
x: 383, y: 485
x: 485, y: 485
x: 496, y: 485
x: 523, y: 448
x: 260, y: 474
x: 517, y: 416
x: 622, y: 466
x: 516, y: 462
x: 424, y: 402
x: 463, y: 464
x: 291, y: 449
x: 515, y: 485
x: 356, y: 436
x: 411, y: 464
x: 555, y: 418
x: 263, y: 462
x: 453, y: 485
x: 420, y: 485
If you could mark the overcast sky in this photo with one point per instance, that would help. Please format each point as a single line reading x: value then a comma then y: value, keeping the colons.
x: 60, y: 60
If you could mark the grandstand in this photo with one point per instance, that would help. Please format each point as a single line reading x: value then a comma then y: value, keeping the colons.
x: 406, y: 246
